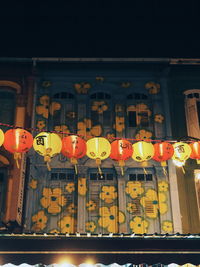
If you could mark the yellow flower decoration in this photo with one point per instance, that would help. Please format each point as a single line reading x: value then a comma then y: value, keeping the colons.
x: 167, y: 226
x: 152, y: 87
x: 39, y: 221
x: 153, y: 202
x: 139, y: 225
x: 118, y: 108
x: 72, y: 208
x: 82, y: 187
x: 108, y: 193
x: 85, y: 129
x: 90, y: 226
x: 110, y: 137
x: 159, y: 118
x: 110, y: 217
x: 131, y: 207
x: 71, y: 114
x: 45, y: 108
x: 82, y: 88
x: 143, y: 134
x: 91, y: 205
x: 53, y: 200
x: 70, y: 187
x: 100, y: 79
x: 33, y: 183
x: 62, y: 128
x: 99, y: 106
x: 54, y: 231
x: 66, y: 224
x: 125, y: 84
x: 163, y: 186
x: 46, y: 84
x: 120, y: 124
x: 134, y: 189
x: 41, y: 124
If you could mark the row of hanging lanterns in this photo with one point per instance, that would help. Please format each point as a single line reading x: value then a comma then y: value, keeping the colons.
x: 48, y: 145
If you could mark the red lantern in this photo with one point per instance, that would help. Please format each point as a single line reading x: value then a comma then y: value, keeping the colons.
x: 121, y: 150
x: 73, y: 147
x: 17, y: 141
x: 195, y: 151
x: 163, y: 151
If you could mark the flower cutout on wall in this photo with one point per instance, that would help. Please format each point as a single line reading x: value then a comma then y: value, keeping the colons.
x: 152, y: 87
x: 70, y: 187
x: 85, y: 129
x: 46, y: 84
x: 33, y: 183
x: 110, y: 136
x: 126, y: 84
x: 71, y: 115
x: 134, y: 189
x: 53, y: 200
x: 41, y: 124
x: 159, y: 118
x: 119, y: 125
x: 139, y: 225
x: 131, y: 207
x: 66, y: 224
x: 82, y: 186
x: 91, y: 205
x: 99, y: 106
x: 63, y: 129
x: 82, y: 87
x: 118, y: 108
x: 163, y: 186
x: 45, y: 108
x: 110, y: 217
x: 90, y: 226
x: 54, y: 231
x: 100, y: 79
x: 143, y: 135
x: 167, y: 226
x: 71, y: 208
x: 39, y: 221
x: 153, y: 202
x: 108, y: 193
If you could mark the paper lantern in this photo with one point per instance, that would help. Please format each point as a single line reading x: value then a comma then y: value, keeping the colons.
x: 98, y: 148
x: 195, y: 154
x: 182, y: 152
x: 17, y: 141
x: 1, y: 137
x: 74, y: 148
x: 143, y: 151
x: 121, y: 150
x: 163, y: 151
x: 47, y: 145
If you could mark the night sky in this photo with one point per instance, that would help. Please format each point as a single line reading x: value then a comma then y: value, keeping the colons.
x: 103, y: 28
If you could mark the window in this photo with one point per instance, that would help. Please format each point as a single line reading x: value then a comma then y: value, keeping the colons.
x: 140, y: 177
x: 62, y: 176
x: 7, y: 103
x: 101, y: 177
x: 137, y: 96
x: 138, y: 117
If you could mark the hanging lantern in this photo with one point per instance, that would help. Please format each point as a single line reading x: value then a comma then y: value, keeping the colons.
x: 47, y: 145
x: 1, y: 137
x: 143, y: 151
x: 74, y: 148
x: 98, y: 148
x: 121, y: 150
x: 163, y: 151
x: 182, y: 152
x: 195, y: 151
x: 17, y: 141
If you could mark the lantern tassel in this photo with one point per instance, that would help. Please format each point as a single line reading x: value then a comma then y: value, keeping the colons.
x: 183, y: 169
x: 47, y: 158
x: 164, y: 171
x: 76, y: 169
x: 98, y: 162
x: 145, y: 172
x: 122, y: 164
x: 74, y: 162
x: 17, y: 156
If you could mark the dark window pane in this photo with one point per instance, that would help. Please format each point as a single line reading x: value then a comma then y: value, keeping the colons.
x: 1, y: 177
x: 144, y: 118
x: 56, y: 95
x: 132, y: 177
x: 107, y: 96
x: 62, y: 176
x: 70, y: 176
x: 101, y: 177
x: 140, y: 177
x: 93, y: 96
x: 190, y: 96
x: 94, y: 117
x: 100, y: 95
x: 129, y: 96
x: 149, y: 177
x: 196, y: 95
x: 109, y: 176
x: 144, y: 96
x: 137, y: 96
x: 93, y: 176
x: 63, y: 95
x: 71, y: 96
x: 132, y: 119
x: 54, y: 176
x: 107, y: 118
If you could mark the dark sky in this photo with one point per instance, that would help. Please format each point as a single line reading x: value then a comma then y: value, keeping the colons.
x: 103, y: 28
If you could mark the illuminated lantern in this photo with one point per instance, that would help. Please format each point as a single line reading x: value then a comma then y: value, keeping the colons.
x: 163, y: 151
x: 47, y: 145
x: 1, y: 137
x: 74, y: 148
x: 98, y: 148
x: 17, y: 141
x: 121, y: 150
x: 143, y: 151
x: 182, y: 152
x: 195, y: 151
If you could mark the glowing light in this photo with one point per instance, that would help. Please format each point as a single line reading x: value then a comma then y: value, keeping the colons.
x: 197, y: 174
x: 65, y: 262
x: 179, y: 163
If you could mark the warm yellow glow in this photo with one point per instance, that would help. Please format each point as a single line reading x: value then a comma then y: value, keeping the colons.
x: 89, y: 262
x: 65, y: 262
x: 178, y: 163
x: 197, y: 174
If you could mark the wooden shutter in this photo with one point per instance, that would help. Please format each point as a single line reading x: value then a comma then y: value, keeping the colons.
x: 192, y: 117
